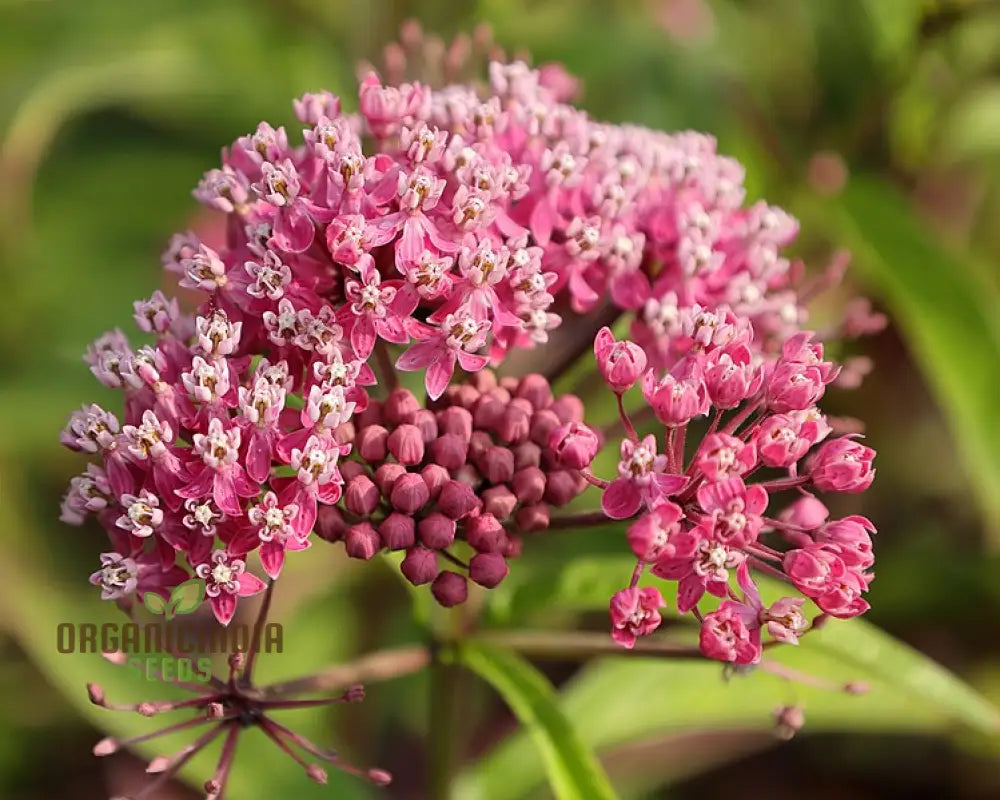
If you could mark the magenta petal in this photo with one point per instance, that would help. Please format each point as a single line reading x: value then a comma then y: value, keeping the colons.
x: 200, y: 486
x: 471, y: 362
x: 420, y: 355
x: 363, y: 336
x: 272, y: 558
x: 541, y: 222
x: 689, y: 592
x: 621, y: 499
x: 242, y: 483
x: 224, y: 493
x: 119, y: 476
x: 224, y: 606
x: 669, y: 484
x: 259, y: 456
x: 306, y: 518
x: 250, y: 584
x: 438, y: 375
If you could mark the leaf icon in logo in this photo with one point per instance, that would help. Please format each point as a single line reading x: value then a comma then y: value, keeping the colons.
x: 187, y: 596
x: 154, y: 603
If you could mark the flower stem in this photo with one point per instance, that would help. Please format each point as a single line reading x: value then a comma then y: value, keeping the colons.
x: 386, y: 369
x: 382, y: 665
x: 584, y: 519
x: 580, y: 646
x: 441, y: 724
x: 258, y: 631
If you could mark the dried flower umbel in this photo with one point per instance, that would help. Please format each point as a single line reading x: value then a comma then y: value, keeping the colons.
x: 439, y: 231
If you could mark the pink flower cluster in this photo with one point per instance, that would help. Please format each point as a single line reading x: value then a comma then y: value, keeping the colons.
x: 697, y: 521
x: 473, y: 468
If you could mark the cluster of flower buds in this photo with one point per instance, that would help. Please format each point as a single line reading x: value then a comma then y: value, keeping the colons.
x: 474, y: 468
x: 697, y: 521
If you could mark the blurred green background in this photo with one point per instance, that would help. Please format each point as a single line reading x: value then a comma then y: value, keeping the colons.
x: 876, y: 122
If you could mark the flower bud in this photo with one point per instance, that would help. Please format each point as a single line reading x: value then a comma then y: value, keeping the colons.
x: 488, y: 412
x: 400, y: 406
x: 620, y: 363
x: 330, y: 524
x: 362, y: 541
x: 542, y: 424
x: 560, y: 488
x: 536, y: 390
x: 464, y: 396
x: 361, y: 495
x: 450, y: 588
x: 528, y: 485
x: 532, y: 518
x: 387, y: 475
x: 528, y: 454
x: 372, y: 443
x: 419, y: 566
x: 426, y: 423
x: 372, y: 415
x: 457, y: 499
x: 568, y: 408
x: 406, y: 444
x: 515, y: 424
x: 450, y: 450
x: 457, y: 420
x: 397, y: 530
x: 488, y: 569
x: 499, y: 501
x: 806, y: 512
x: 409, y: 493
x: 436, y: 531
x: 574, y: 445
x: 496, y: 464
x: 485, y: 533
x: 434, y: 476
x: 351, y: 469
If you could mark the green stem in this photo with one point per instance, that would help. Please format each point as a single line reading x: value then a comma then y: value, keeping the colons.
x: 441, y: 721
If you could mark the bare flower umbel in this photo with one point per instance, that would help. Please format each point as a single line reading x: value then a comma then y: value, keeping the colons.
x: 222, y: 709
x: 437, y: 231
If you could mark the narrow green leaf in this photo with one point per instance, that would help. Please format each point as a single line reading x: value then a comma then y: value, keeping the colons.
x: 617, y: 701
x: 948, y: 312
x: 573, y: 771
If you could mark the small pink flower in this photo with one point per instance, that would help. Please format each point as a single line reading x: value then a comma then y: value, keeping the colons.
x: 574, y: 445
x: 635, y: 612
x: 620, y: 363
x: 274, y: 528
x: 819, y: 572
x: 658, y: 534
x: 842, y: 465
x: 723, y: 456
x: 733, y: 511
x: 731, y: 376
x: 679, y: 396
x: 220, y: 476
x: 642, y: 479
x: 853, y: 535
x: 456, y: 341
x: 226, y: 580
x: 726, y: 636
x: 142, y: 514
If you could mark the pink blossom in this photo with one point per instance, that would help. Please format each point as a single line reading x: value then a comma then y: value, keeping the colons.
x: 439, y: 349
x: 679, y: 396
x: 842, y: 465
x: 733, y: 511
x: 220, y: 474
x: 226, y: 580
x: 635, y: 612
x: 820, y: 572
x: 574, y: 445
x: 620, y: 363
x: 723, y: 456
x: 642, y: 479
x: 659, y: 535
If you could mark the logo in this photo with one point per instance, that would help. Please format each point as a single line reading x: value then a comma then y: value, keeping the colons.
x: 184, y: 599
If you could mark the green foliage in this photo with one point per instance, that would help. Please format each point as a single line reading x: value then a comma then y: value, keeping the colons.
x: 573, y: 773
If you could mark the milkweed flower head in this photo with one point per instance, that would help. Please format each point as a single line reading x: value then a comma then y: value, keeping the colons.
x: 438, y: 231
x: 700, y: 521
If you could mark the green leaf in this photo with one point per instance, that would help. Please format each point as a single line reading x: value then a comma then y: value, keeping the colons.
x: 155, y: 604
x: 572, y: 770
x: 187, y: 596
x: 948, y: 312
x: 622, y: 700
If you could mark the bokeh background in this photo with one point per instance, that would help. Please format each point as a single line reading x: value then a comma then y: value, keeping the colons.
x: 876, y: 122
